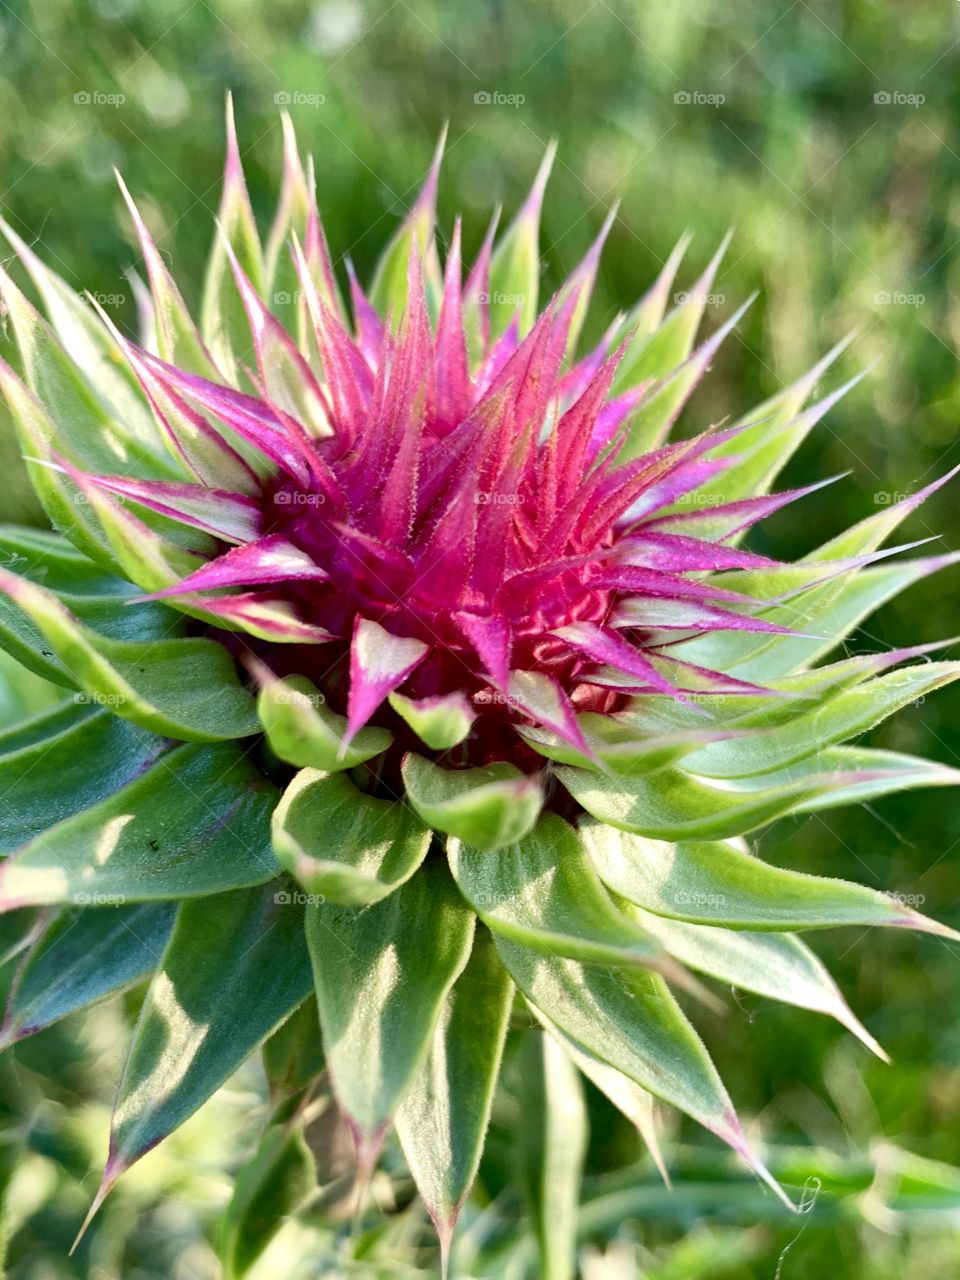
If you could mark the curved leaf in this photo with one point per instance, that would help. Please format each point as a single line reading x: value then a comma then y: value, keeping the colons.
x: 440, y: 723
x: 302, y: 729
x: 489, y: 807
x: 183, y: 688
x: 346, y: 846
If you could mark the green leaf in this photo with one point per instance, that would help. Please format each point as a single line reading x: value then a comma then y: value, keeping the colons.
x: 268, y: 1188
x: 235, y: 967
x: 650, y: 422
x: 178, y: 340
x: 440, y: 723
x: 489, y: 807
x: 616, y: 742
x: 670, y: 805
x: 89, y: 345
x: 197, y: 822
x: 552, y: 1149
x: 776, y: 965
x: 721, y: 884
x: 862, y: 773
x: 414, y: 236
x: 81, y: 957
x: 183, y: 688
x: 656, y: 352
x: 543, y: 892
x: 382, y: 974
x: 515, y: 263
x: 346, y: 846
x: 302, y: 729
x: 830, y: 611
x: 71, y: 758
x: 223, y: 320
x: 442, y: 1121
x: 842, y: 716
x: 629, y: 1020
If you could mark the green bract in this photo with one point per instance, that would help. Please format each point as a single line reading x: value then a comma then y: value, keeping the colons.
x: 410, y: 678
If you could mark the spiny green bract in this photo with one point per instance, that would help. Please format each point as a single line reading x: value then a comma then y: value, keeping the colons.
x: 414, y: 676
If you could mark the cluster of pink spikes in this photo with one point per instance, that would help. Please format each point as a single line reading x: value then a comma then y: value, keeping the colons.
x: 444, y: 524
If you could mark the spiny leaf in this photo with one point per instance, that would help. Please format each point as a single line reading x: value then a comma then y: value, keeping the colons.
x: 776, y: 965
x: 630, y: 1021
x: 722, y: 884
x: 184, y: 688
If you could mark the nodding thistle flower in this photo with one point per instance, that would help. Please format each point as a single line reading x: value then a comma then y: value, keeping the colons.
x: 417, y: 672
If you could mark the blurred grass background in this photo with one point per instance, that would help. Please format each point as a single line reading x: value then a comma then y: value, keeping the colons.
x: 826, y: 134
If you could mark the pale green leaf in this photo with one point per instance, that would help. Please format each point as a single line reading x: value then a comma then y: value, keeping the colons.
x: 346, y: 846
x: 382, y: 974
x: 489, y: 807
x: 543, y: 892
